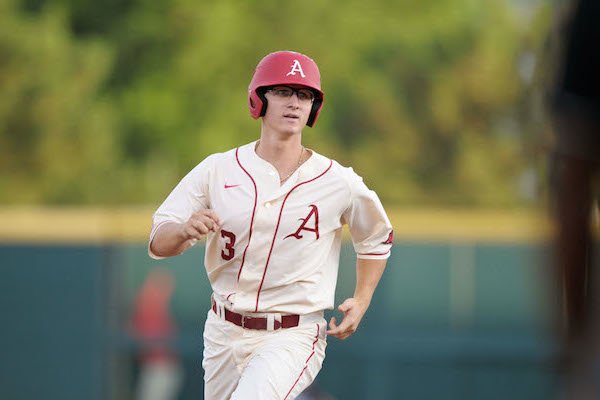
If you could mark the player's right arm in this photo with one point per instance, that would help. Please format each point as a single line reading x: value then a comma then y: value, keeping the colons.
x: 172, y: 238
x: 186, y: 215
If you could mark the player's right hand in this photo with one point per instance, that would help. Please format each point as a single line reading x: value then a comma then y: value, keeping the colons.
x: 200, y: 224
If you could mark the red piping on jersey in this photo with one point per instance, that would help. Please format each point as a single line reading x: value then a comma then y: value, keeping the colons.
x: 277, y: 228
x: 305, y: 364
x: 374, y: 254
x: 253, y: 212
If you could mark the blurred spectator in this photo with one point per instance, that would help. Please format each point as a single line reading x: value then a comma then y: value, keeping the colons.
x: 160, y: 374
x: 576, y: 121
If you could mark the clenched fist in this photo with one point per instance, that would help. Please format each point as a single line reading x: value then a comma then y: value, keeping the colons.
x: 200, y: 224
x: 174, y: 238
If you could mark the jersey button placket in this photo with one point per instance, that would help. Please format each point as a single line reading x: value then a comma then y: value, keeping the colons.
x: 264, y: 227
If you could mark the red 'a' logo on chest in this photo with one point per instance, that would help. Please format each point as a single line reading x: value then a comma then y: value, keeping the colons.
x: 314, y: 211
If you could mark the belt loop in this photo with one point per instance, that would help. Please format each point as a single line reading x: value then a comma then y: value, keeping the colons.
x: 215, y: 304
x: 219, y: 308
x: 270, y: 322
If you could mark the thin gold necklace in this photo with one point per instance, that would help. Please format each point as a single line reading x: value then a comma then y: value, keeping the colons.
x: 281, y: 180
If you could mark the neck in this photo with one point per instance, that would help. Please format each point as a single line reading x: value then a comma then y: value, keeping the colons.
x: 285, y: 154
x: 279, y: 148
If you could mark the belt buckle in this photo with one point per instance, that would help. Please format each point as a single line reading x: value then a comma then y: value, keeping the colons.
x: 243, y: 323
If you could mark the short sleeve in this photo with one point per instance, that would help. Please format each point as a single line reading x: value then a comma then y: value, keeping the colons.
x: 370, y: 228
x: 189, y: 196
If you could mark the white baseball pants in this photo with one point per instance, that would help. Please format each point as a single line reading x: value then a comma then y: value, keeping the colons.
x: 245, y: 364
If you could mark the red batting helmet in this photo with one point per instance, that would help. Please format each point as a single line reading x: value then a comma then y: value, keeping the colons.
x: 284, y: 68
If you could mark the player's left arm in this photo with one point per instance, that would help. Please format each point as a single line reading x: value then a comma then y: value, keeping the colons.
x: 368, y: 274
x: 372, y: 236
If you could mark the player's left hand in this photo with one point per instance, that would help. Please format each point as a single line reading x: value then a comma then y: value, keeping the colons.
x: 354, y: 310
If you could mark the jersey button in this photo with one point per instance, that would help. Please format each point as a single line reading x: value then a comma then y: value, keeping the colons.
x: 267, y: 205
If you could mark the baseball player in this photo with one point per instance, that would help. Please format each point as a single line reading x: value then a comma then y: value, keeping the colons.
x: 272, y: 213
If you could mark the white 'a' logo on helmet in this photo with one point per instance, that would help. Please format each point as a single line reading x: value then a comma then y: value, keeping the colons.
x: 296, y: 67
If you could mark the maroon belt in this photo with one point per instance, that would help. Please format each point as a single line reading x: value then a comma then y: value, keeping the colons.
x: 258, y: 323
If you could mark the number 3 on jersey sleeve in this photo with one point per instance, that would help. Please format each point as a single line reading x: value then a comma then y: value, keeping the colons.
x: 229, y: 252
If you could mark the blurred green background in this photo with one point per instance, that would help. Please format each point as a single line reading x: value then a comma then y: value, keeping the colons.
x: 433, y: 102
x: 438, y: 104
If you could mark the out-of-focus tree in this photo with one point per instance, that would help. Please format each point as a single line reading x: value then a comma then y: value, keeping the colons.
x: 423, y: 98
x: 56, y: 127
x: 427, y: 107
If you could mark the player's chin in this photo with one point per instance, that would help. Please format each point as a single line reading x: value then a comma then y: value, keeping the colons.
x: 288, y: 131
x: 292, y: 125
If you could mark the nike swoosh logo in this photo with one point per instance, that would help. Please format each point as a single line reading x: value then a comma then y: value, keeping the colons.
x: 230, y: 186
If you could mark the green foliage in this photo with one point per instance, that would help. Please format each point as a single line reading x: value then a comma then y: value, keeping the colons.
x: 53, y: 116
x: 112, y: 102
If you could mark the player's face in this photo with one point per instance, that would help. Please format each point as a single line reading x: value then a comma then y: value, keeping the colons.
x: 289, y: 108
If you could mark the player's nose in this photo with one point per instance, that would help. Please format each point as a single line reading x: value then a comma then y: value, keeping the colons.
x: 294, y: 101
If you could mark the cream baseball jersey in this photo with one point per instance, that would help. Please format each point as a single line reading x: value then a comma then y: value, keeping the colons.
x: 278, y: 247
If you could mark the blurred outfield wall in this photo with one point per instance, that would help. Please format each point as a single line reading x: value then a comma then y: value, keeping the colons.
x: 462, y: 311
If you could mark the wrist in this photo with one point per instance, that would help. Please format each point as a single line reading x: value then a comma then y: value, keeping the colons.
x: 181, y: 233
x: 364, y: 300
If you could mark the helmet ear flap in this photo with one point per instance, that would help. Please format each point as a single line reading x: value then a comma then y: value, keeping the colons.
x: 314, y: 111
x: 260, y: 92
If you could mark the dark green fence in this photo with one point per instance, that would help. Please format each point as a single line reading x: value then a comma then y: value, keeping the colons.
x: 449, y: 321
